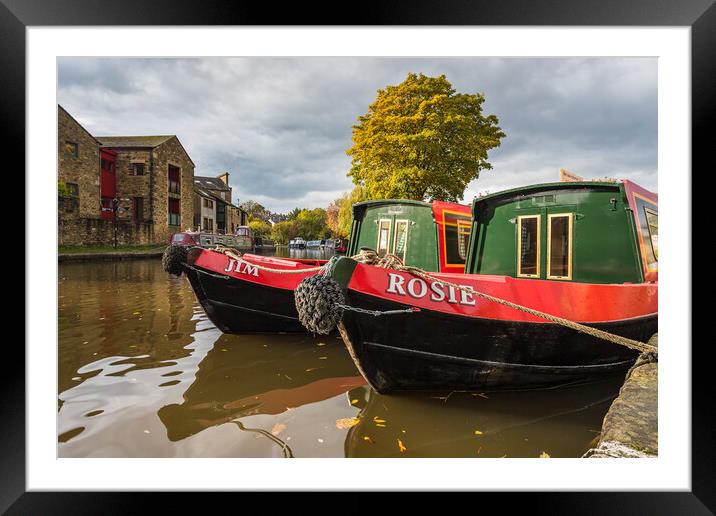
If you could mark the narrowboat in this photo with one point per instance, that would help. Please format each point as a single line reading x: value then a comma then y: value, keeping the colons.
x: 582, y: 251
x: 297, y: 243
x: 340, y: 245
x: 255, y: 293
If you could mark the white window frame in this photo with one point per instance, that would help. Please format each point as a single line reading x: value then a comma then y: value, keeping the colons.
x: 519, y: 245
x: 407, y: 235
x: 570, y: 235
x: 387, y: 241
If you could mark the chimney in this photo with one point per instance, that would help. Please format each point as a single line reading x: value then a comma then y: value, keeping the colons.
x: 224, y: 178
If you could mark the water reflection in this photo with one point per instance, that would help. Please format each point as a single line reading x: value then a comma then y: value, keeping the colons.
x: 260, y: 374
x: 143, y: 373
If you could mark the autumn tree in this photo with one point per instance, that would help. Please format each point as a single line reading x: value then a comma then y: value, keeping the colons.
x: 259, y: 227
x: 345, y: 210
x: 422, y: 140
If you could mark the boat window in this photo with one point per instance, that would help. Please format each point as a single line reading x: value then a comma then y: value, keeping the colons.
x: 400, y: 241
x: 528, y: 246
x: 559, y: 246
x: 463, y: 237
x: 652, y: 220
x: 383, y: 237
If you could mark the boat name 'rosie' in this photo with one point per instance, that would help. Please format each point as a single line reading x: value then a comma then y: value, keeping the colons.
x: 236, y: 266
x: 418, y: 288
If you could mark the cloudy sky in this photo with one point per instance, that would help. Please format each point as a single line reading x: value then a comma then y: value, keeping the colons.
x: 281, y: 126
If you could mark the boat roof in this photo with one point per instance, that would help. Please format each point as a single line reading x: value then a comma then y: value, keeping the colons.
x: 378, y: 202
x: 561, y: 185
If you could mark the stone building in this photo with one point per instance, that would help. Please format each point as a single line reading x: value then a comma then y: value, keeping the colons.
x: 212, y: 198
x: 78, y: 164
x: 155, y: 178
x: 147, y: 180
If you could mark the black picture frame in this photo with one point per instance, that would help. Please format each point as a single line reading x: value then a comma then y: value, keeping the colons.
x: 700, y: 15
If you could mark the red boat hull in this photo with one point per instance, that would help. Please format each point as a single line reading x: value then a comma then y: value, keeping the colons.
x: 240, y: 298
x: 462, y: 342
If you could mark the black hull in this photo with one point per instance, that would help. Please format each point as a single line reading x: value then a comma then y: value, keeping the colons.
x: 236, y: 306
x: 429, y: 350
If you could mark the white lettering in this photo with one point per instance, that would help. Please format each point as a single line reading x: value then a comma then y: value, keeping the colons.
x: 395, y: 284
x: 453, y: 298
x: 251, y: 269
x: 411, y: 287
x: 228, y: 267
x: 438, y: 292
x: 466, y: 297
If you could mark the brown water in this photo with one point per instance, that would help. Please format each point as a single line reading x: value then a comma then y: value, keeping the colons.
x: 144, y: 373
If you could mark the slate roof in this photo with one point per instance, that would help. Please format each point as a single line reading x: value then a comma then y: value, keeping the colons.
x: 208, y: 193
x: 133, y: 141
x: 210, y: 183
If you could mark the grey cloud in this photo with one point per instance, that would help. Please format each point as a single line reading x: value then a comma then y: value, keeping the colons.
x: 281, y: 126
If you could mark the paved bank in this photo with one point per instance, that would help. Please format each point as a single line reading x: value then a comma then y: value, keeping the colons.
x: 630, y: 428
x: 109, y: 256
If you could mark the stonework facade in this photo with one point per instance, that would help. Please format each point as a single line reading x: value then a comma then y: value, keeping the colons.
x: 78, y: 163
x: 153, y: 177
x: 227, y: 216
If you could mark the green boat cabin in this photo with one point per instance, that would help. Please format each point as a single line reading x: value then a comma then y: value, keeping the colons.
x: 590, y: 232
x: 433, y: 236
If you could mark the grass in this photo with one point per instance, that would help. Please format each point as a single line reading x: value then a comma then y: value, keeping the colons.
x: 74, y: 249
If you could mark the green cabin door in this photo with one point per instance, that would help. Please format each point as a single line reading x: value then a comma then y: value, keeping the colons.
x: 544, y: 243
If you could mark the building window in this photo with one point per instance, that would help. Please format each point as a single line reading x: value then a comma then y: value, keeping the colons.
x: 206, y: 223
x: 174, y: 179
x: 138, y: 209
x: 383, y: 237
x: 73, y: 189
x: 528, y: 236
x: 400, y: 240
x: 559, y: 246
x: 108, y: 165
x: 211, y: 224
x: 174, y: 212
x: 208, y: 203
x: 72, y: 148
x: 137, y: 169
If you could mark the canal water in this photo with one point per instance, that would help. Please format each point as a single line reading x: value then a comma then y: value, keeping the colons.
x: 144, y: 373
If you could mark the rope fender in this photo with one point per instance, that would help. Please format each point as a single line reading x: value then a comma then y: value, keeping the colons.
x: 174, y: 258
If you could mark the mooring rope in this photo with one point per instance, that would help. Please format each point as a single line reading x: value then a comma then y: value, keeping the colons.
x: 369, y: 257
x: 390, y: 261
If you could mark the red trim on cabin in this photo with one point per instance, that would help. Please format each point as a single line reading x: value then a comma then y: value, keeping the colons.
x: 452, y: 215
x: 633, y: 192
x: 219, y: 262
x: 581, y: 302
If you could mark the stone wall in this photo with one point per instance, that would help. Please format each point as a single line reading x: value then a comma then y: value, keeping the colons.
x: 82, y: 169
x: 76, y: 230
x: 130, y: 186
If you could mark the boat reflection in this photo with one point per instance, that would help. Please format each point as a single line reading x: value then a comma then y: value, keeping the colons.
x: 260, y: 374
x: 491, y: 424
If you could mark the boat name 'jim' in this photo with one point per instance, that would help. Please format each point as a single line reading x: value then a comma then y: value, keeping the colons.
x: 242, y: 267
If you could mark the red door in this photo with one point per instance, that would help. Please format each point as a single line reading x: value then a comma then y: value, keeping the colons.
x: 108, y: 182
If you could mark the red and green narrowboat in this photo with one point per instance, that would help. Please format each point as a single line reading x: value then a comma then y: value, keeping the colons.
x: 583, y: 251
x: 239, y: 297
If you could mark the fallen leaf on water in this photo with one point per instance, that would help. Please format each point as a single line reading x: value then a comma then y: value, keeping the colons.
x: 401, y: 446
x: 477, y: 432
x: 368, y: 439
x: 353, y: 402
x: 136, y: 313
x: 380, y: 425
x: 479, y: 450
x: 311, y: 369
x: 278, y: 428
x: 322, y: 358
x: 378, y: 420
x: 544, y: 455
x: 346, y: 422
x: 321, y: 344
